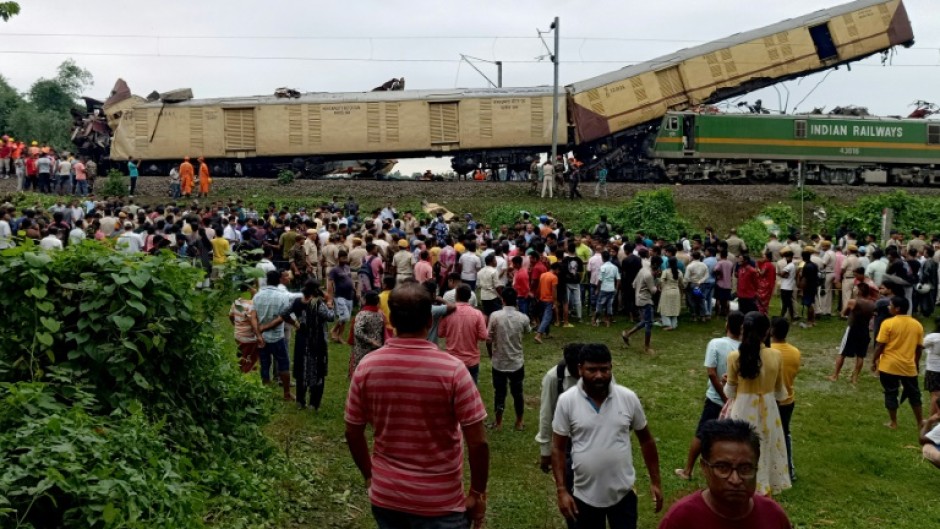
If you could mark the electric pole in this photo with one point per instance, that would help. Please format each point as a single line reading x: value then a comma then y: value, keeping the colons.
x: 556, y: 26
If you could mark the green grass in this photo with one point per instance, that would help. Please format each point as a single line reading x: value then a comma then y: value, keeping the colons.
x: 852, y: 472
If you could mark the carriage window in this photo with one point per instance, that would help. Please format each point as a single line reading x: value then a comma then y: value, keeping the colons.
x: 672, y: 123
x: 799, y: 128
x: 933, y: 134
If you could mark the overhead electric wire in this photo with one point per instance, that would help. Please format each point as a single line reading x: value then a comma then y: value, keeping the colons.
x: 624, y: 63
x: 388, y: 37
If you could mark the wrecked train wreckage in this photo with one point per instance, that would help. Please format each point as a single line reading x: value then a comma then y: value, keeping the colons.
x: 122, y: 128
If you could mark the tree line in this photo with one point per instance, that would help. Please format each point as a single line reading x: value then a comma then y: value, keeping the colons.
x: 44, y: 112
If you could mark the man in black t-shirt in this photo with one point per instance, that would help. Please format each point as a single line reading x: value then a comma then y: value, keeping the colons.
x: 572, y: 268
x: 809, y: 283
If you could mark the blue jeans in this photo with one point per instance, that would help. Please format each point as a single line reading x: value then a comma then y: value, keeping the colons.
x: 546, y: 308
x: 389, y: 519
x: 708, y: 289
x: 574, y: 298
x: 605, y: 303
x: 646, y: 322
x: 175, y: 190
x: 278, y: 351
x: 523, y: 305
x: 696, y: 303
x: 81, y: 187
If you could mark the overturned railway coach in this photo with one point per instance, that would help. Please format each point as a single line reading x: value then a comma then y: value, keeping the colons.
x: 829, y: 149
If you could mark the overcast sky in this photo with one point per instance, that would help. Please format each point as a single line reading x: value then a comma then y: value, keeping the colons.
x: 137, y: 40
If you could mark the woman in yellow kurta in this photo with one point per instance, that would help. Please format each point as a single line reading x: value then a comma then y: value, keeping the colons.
x: 204, y: 178
x: 186, y: 177
x: 755, y: 384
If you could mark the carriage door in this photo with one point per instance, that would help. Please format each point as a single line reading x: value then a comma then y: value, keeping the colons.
x: 240, y: 132
x: 688, y: 134
x: 444, y: 126
x: 822, y: 38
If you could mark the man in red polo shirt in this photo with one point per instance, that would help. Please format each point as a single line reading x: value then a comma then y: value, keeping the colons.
x: 420, y: 402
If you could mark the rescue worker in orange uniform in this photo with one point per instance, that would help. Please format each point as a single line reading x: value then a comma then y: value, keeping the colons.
x: 204, y: 178
x: 187, y: 176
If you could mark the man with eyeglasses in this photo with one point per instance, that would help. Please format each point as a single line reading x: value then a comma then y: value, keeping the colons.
x: 730, y: 452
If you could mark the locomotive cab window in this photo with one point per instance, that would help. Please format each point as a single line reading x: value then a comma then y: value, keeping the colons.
x: 672, y: 123
x: 799, y: 129
x: 933, y: 134
x: 822, y: 39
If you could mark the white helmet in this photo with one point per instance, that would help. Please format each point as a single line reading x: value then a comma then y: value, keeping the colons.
x: 923, y: 288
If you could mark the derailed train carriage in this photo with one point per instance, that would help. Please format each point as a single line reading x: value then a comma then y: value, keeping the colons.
x: 255, y: 135
x: 612, y: 119
x: 615, y: 115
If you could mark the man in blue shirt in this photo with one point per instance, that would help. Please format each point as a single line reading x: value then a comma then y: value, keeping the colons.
x: 134, y: 173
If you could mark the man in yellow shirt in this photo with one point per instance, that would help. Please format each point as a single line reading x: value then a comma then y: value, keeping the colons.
x: 897, y: 360
x: 220, y: 251
x: 789, y: 368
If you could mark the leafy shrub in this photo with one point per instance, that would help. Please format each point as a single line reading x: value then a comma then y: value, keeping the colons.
x: 128, y: 343
x: 754, y: 232
x: 653, y: 212
x: 910, y: 211
x: 804, y: 194
x: 783, y: 215
x: 285, y: 177
x: 64, y: 467
x: 116, y: 184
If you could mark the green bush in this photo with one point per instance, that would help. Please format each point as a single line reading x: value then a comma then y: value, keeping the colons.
x: 133, y: 334
x: 754, y: 233
x: 64, y: 467
x: 653, y: 212
x: 910, y: 211
x: 783, y: 215
x: 116, y: 185
x: 285, y: 177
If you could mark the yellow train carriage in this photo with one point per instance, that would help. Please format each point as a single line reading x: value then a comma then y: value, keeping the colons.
x: 638, y: 94
x: 406, y: 123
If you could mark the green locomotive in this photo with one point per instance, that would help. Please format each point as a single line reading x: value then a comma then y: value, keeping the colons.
x: 757, y: 148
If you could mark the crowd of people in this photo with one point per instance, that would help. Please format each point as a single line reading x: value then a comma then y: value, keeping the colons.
x: 406, y: 291
x: 42, y: 169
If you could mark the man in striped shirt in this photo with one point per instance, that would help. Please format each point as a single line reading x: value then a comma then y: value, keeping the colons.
x: 420, y: 402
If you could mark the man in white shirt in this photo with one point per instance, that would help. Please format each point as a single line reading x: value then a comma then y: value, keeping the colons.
x: 77, y: 235
x: 6, y: 234
x: 129, y: 242
x: 930, y: 439
x: 469, y: 266
x: 231, y: 232
x: 488, y: 279
x: 454, y: 281
x: 608, y: 284
x: 51, y: 241
x: 787, y: 283
x: 265, y: 265
x: 596, y: 417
